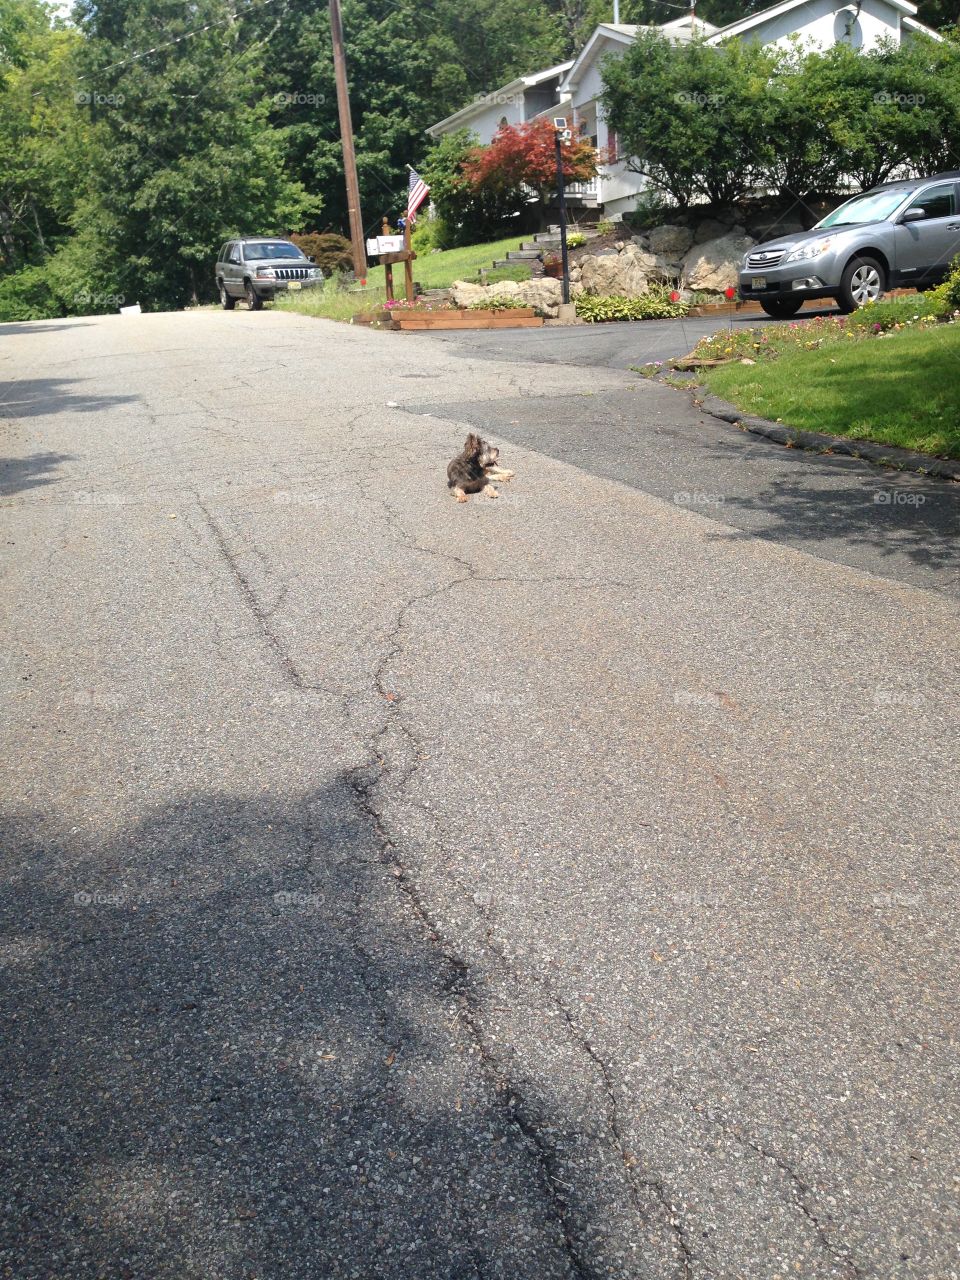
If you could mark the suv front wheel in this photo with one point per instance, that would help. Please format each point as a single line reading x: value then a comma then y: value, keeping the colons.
x: 781, y: 308
x: 254, y: 301
x: 862, y: 281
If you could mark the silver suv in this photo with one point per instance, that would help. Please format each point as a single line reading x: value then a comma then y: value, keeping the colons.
x: 259, y: 268
x: 900, y: 235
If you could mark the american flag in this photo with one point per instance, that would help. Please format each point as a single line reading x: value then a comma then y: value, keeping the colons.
x: 416, y: 193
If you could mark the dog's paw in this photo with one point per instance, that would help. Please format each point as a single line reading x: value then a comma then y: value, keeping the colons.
x: 491, y: 492
x: 461, y: 497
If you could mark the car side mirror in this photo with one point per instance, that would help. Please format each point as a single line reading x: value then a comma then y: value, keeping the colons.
x: 312, y: 259
x: 914, y: 215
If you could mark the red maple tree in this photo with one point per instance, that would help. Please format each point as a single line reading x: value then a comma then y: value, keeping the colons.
x: 524, y: 155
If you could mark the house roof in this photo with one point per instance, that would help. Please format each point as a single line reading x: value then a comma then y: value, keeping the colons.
x: 461, y: 118
x: 913, y: 25
x: 756, y: 19
x: 680, y: 29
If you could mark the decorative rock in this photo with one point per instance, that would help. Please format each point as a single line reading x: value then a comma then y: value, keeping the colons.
x: 574, y: 274
x: 465, y: 293
x: 711, y: 229
x: 622, y: 275
x: 545, y: 294
x: 715, y: 266
x: 669, y: 240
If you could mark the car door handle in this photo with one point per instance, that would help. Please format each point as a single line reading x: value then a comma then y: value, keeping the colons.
x: 953, y: 226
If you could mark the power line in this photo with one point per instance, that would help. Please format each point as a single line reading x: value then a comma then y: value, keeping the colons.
x: 209, y: 26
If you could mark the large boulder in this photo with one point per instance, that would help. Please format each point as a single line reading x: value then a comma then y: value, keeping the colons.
x: 466, y: 293
x: 715, y: 266
x: 670, y: 241
x: 621, y: 275
x: 654, y: 266
x: 545, y: 294
x: 712, y: 229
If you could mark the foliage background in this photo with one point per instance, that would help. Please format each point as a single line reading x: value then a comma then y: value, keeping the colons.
x: 139, y: 135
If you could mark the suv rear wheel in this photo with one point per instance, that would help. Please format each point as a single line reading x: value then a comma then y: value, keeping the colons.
x: 781, y: 308
x: 226, y: 301
x: 254, y: 301
x: 863, y: 281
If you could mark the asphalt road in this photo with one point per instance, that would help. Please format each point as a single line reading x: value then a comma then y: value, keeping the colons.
x: 562, y: 886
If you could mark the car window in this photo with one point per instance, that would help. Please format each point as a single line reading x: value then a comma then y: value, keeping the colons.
x: 938, y: 202
x: 871, y: 207
x: 271, y: 249
x: 234, y: 254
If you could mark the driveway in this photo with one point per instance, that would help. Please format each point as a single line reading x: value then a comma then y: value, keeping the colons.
x: 561, y: 886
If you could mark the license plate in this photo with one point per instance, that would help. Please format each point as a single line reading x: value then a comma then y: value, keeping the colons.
x: 294, y: 284
x: 758, y: 282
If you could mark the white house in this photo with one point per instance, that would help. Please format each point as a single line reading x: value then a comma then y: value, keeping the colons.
x: 615, y: 188
x: 520, y: 100
x: 576, y: 86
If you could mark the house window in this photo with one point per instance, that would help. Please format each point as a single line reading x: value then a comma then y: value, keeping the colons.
x: 613, y: 144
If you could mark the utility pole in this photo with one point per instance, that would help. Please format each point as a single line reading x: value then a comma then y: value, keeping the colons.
x: 346, y: 139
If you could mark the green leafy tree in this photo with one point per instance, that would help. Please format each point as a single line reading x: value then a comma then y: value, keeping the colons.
x: 44, y: 139
x: 693, y: 118
x: 465, y: 214
x: 185, y: 153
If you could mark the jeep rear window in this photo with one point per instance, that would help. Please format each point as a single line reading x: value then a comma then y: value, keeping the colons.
x: 271, y: 249
x: 868, y: 208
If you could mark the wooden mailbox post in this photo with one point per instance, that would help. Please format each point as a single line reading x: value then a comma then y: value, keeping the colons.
x: 404, y: 255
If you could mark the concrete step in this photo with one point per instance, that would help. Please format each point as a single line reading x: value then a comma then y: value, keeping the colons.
x: 523, y: 255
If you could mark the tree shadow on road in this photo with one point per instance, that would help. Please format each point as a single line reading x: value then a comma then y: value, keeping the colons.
x: 33, y: 326
x: 232, y: 1051
x: 44, y: 397
x: 18, y: 474
x: 887, y: 514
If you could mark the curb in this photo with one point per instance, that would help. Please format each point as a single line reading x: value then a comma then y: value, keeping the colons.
x: 818, y: 442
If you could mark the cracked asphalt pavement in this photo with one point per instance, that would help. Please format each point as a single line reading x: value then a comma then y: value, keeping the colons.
x: 561, y: 886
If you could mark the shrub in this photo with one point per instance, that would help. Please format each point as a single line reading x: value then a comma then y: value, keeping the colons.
x: 429, y: 234
x: 945, y: 299
x: 605, y: 227
x: 498, y: 304
x: 27, y: 295
x: 524, y: 156
x: 878, y: 317
x: 333, y: 252
x: 464, y: 215
x: 655, y: 305
x: 576, y: 240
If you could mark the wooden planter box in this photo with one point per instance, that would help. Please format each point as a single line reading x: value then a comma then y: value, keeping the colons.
x: 372, y: 317
x: 514, y: 318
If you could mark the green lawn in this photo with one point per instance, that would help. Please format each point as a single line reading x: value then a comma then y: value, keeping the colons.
x: 432, y: 270
x: 901, y: 389
x: 436, y: 270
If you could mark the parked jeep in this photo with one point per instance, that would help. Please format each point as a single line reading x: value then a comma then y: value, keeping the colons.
x: 898, y: 235
x: 260, y: 267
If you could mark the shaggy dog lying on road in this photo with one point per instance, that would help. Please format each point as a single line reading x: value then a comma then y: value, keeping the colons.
x: 472, y: 470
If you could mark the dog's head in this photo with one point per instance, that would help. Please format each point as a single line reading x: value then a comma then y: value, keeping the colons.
x: 485, y: 454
